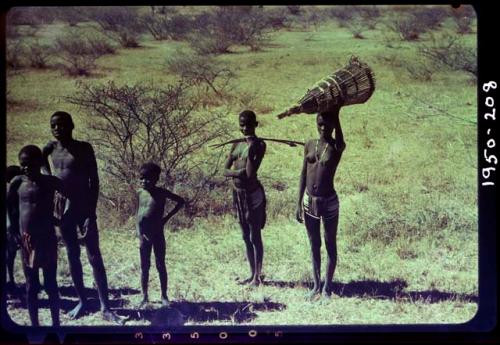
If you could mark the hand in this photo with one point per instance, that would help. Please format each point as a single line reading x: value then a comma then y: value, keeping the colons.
x: 27, y: 241
x: 299, y: 214
x: 17, y: 239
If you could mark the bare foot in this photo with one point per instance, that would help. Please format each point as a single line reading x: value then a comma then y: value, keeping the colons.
x: 256, y: 281
x: 327, y: 291
x: 246, y: 281
x: 77, y: 311
x: 313, y: 294
x: 109, y: 315
x: 144, y: 304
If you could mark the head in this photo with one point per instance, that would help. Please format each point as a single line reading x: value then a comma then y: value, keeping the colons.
x: 30, y: 160
x: 149, y: 174
x: 248, y: 122
x: 324, y: 122
x: 12, y: 171
x: 61, y: 125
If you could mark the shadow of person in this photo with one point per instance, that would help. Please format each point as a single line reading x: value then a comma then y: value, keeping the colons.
x: 395, y: 289
x: 178, y: 313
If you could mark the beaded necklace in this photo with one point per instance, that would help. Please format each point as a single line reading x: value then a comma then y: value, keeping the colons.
x: 316, y: 153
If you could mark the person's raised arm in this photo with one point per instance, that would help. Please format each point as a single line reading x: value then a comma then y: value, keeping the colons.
x: 46, y: 151
x: 179, y: 203
x: 339, y: 135
x: 302, y: 188
x: 228, y: 172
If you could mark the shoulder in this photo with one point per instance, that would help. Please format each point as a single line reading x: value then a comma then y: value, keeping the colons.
x: 49, y: 147
x: 309, y: 143
x: 83, y: 145
x: 16, y: 181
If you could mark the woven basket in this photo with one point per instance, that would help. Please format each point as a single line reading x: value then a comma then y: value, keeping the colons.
x: 352, y: 84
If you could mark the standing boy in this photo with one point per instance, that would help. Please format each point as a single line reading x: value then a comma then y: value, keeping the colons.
x: 75, y: 164
x: 248, y: 194
x: 30, y: 209
x: 13, y: 240
x: 150, y: 224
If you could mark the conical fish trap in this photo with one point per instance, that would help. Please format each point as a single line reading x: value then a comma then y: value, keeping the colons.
x: 352, y: 84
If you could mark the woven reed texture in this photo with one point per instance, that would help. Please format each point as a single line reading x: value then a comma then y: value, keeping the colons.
x: 352, y: 84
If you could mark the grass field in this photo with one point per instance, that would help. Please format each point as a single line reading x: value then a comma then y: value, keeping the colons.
x: 407, y: 183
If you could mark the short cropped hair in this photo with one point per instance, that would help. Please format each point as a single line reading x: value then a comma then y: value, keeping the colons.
x: 32, y: 151
x: 250, y: 115
x: 12, y: 171
x: 151, y: 168
x: 64, y: 115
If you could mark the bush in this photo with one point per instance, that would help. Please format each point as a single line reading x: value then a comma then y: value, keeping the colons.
x: 14, y: 53
x: 463, y: 17
x: 39, y: 55
x: 277, y: 18
x: 430, y: 17
x: 201, y: 70
x: 369, y: 16
x: 449, y: 50
x: 343, y: 14
x: 216, y: 31
x: 408, y: 28
x: 31, y: 16
x: 135, y: 124
x: 78, y: 56
x: 163, y: 27
x: 121, y: 24
x: 356, y: 27
x: 421, y: 71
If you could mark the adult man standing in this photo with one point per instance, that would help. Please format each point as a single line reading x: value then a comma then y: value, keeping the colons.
x: 74, y: 163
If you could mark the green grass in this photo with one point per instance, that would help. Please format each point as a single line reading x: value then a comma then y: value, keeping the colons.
x: 407, y: 184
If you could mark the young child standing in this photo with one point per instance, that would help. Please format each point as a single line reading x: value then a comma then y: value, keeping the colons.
x: 13, y: 241
x: 30, y: 210
x: 150, y: 224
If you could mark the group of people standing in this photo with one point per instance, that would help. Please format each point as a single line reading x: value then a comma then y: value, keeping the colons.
x: 317, y: 199
x: 40, y: 198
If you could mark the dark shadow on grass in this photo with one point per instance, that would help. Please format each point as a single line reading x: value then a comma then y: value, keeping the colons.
x: 118, y: 298
x: 393, y: 290
x: 180, y: 312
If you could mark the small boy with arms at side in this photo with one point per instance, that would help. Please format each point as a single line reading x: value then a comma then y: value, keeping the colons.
x: 150, y: 224
x: 31, y: 211
x: 12, y: 241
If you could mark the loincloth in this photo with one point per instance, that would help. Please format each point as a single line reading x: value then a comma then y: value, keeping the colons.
x: 250, y: 206
x: 61, y: 205
x: 38, y: 251
x: 321, y: 207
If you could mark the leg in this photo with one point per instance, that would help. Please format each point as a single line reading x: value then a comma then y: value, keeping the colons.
x: 10, y: 258
x: 31, y: 294
x: 68, y: 232
x: 331, y: 249
x: 145, y: 247
x: 50, y: 282
x: 159, y: 248
x: 313, y: 232
x: 95, y: 260
x: 245, y: 230
x: 258, y: 247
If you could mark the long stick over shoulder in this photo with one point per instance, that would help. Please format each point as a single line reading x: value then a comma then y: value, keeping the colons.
x: 240, y: 140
